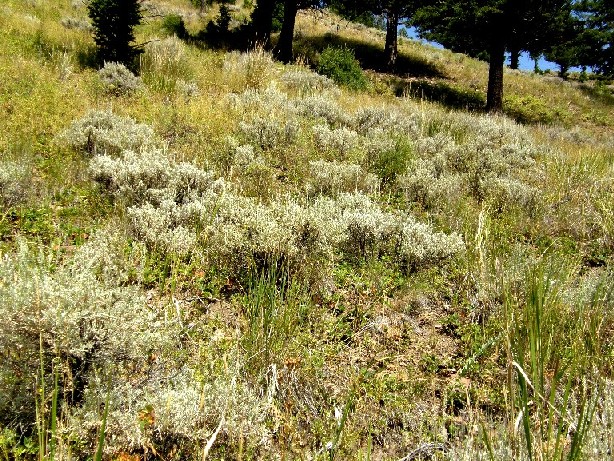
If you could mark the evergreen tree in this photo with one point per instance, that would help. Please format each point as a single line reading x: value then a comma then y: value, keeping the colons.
x: 114, y: 22
x: 486, y: 29
x: 599, y: 19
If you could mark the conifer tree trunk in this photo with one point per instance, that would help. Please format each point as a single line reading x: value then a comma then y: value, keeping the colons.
x: 494, y: 97
x: 283, y: 50
x: 391, y: 50
x: 262, y: 20
x: 514, y: 58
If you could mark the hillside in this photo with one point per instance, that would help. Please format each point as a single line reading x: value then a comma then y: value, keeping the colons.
x: 229, y: 258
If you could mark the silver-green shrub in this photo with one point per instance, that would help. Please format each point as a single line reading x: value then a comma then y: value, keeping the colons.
x: 269, y: 100
x: 149, y: 176
x: 306, y: 82
x: 332, y: 178
x: 176, y: 408
x: 321, y: 107
x: 77, y: 23
x: 14, y: 183
x: 108, y: 338
x: 117, y: 79
x: 178, y: 207
x: 103, y: 132
x: 338, y: 141
x: 75, y: 313
x: 269, y: 133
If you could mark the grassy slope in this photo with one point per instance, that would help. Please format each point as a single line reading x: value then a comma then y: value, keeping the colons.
x: 412, y: 357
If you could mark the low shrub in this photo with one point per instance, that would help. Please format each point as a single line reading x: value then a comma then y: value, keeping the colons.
x: 305, y: 82
x: 118, y: 80
x: 341, y: 65
x: 529, y: 109
x: 269, y: 133
x: 332, y: 178
x: 13, y: 183
x: 340, y: 141
x: 103, y: 132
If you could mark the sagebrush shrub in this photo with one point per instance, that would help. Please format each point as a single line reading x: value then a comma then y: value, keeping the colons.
x: 332, y: 178
x: 177, y: 207
x: 13, y: 183
x: 341, y: 65
x: 339, y: 141
x: 269, y: 133
x: 149, y: 176
x: 306, y: 82
x: 77, y: 23
x: 117, y: 79
x: 319, y: 106
x: 107, y: 338
x: 78, y: 317
x: 103, y: 132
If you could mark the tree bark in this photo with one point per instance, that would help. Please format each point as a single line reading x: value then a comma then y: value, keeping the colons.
x: 391, y: 49
x: 494, y: 97
x: 262, y: 20
x: 283, y: 50
x: 514, y: 58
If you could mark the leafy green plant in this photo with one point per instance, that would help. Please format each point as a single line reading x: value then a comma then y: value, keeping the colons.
x: 341, y: 65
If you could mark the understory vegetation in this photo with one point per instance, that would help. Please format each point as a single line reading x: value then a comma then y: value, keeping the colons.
x: 225, y: 257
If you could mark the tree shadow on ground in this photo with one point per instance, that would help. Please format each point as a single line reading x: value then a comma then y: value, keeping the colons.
x: 442, y: 92
x: 370, y: 55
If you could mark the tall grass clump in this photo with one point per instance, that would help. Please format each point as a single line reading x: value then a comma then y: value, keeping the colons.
x: 164, y: 62
x: 557, y: 350
x: 252, y: 69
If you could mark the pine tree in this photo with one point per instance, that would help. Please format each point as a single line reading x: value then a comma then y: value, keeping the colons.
x: 486, y: 29
x: 114, y: 22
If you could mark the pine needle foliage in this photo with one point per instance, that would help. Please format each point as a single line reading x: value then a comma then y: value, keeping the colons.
x: 114, y: 22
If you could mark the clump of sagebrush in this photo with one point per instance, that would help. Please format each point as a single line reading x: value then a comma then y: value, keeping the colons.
x: 332, y: 178
x: 117, y: 79
x: 305, y: 82
x: 324, y: 107
x: 111, y: 342
x: 339, y: 142
x: 178, y: 207
x: 14, y: 184
x: 187, y: 89
x: 386, y: 119
x: 483, y: 157
x: 175, y: 411
x: 103, y: 132
x: 269, y: 100
x: 74, y: 313
x: 77, y: 23
x: 149, y: 176
x: 269, y: 133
